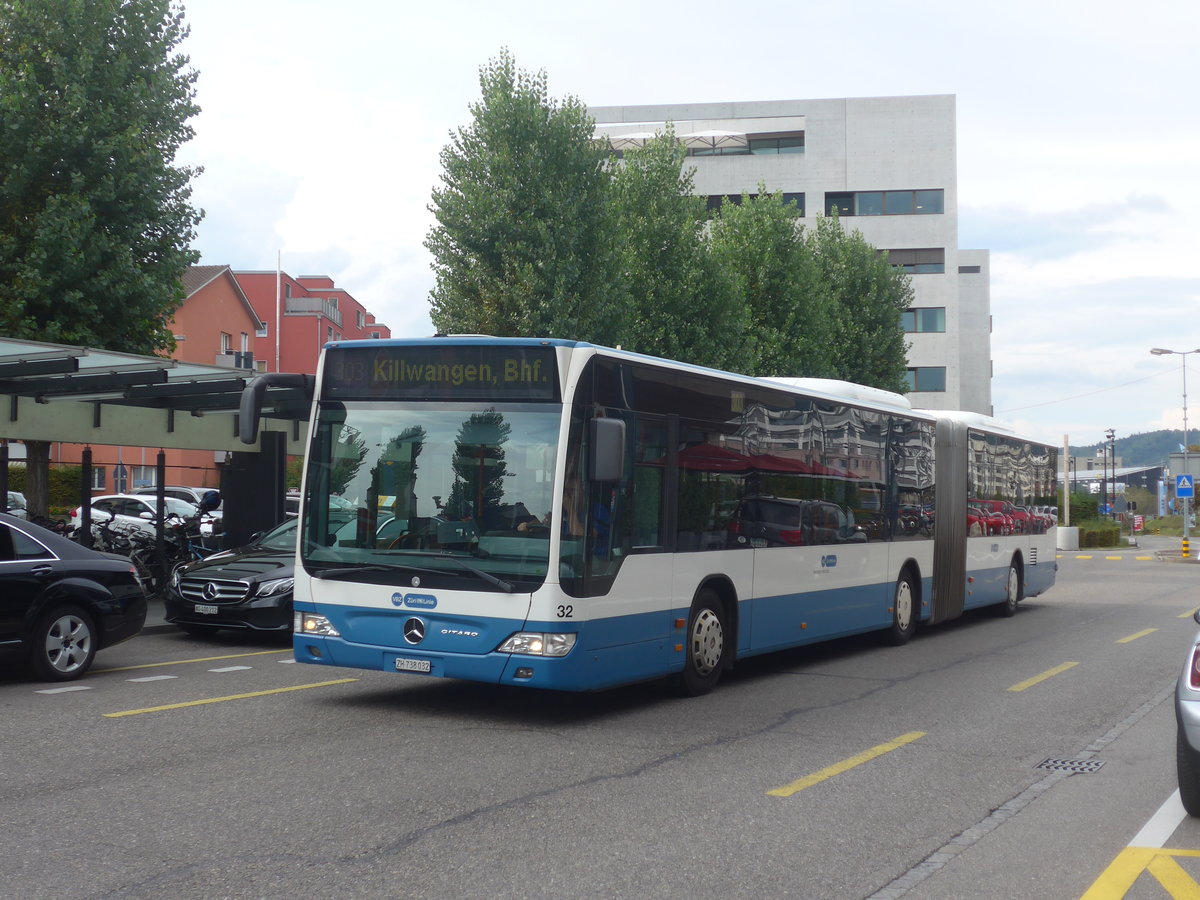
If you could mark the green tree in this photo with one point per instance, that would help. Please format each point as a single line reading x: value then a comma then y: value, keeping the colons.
x: 682, y: 302
x: 760, y: 241
x: 95, y: 218
x: 522, y: 244
x: 866, y: 296
x: 479, y: 466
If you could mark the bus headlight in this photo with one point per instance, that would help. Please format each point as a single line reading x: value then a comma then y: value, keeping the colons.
x: 532, y: 643
x: 311, y: 623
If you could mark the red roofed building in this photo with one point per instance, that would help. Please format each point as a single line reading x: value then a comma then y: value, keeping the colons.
x: 312, y: 310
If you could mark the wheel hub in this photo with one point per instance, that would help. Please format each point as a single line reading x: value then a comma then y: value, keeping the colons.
x: 708, y: 642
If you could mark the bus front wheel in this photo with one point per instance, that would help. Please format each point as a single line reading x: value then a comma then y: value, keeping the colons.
x: 706, y: 645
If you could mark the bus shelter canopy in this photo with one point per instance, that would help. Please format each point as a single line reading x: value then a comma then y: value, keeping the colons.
x: 56, y: 392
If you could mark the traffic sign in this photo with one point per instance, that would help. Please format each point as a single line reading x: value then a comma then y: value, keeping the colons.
x: 1185, y: 487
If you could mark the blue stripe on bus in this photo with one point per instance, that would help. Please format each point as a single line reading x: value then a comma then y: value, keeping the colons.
x: 463, y: 647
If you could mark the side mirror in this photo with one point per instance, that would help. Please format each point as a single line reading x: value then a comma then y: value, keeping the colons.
x: 606, y: 460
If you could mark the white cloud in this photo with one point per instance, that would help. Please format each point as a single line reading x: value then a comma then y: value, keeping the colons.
x: 322, y: 125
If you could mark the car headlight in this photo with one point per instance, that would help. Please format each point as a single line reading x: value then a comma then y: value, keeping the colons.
x: 276, y: 586
x: 532, y: 643
x: 312, y: 623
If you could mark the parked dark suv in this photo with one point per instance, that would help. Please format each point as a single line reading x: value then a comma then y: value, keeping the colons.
x: 60, y: 602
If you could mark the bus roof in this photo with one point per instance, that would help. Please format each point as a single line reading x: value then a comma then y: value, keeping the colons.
x: 820, y: 388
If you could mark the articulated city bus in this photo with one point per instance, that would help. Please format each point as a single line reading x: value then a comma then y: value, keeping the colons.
x: 561, y: 515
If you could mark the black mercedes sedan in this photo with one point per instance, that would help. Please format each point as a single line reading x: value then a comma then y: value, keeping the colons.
x: 61, y: 602
x: 248, y: 589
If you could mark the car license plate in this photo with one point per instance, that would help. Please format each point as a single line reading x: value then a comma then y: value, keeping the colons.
x: 206, y: 610
x: 413, y: 665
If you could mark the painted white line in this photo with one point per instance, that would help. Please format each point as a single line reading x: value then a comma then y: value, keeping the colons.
x: 232, y: 669
x: 151, y: 678
x: 1162, y: 824
x: 65, y: 690
x: 286, y: 662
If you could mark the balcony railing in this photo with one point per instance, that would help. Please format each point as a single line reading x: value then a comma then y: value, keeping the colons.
x: 306, y: 306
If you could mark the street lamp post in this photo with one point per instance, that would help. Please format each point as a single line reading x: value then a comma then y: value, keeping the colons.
x: 1111, y: 493
x: 1159, y: 351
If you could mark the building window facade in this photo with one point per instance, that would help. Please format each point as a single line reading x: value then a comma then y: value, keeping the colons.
x: 757, y: 145
x: 796, y: 199
x: 926, y: 378
x: 143, y: 476
x: 885, y: 203
x: 928, y: 261
x: 924, y: 320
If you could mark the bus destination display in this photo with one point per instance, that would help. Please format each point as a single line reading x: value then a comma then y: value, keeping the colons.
x: 451, y: 373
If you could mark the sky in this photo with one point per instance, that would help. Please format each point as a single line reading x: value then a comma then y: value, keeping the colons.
x: 1078, y: 151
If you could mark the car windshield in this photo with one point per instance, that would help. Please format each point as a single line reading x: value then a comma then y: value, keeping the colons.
x: 281, y: 537
x: 432, y: 487
x: 179, y: 507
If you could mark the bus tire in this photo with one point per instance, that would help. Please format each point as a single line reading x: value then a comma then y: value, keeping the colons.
x: 1012, y: 590
x: 706, y: 645
x: 904, y: 610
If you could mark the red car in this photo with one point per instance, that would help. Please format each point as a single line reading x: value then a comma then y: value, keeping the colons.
x: 998, y: 519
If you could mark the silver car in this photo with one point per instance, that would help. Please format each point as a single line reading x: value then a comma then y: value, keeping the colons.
x: 17, y: 505
x: 1187, y: 718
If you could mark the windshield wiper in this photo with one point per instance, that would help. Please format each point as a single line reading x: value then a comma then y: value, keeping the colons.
x: 337, y: 571
x: 486, y: 576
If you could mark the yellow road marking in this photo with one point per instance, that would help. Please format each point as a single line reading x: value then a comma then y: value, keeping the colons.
x: 1171, y: 876
x: 1134, y: 637
x: 1114, y: 557
x: 1088, y: 556
x: 180, y: 662
x: 1116, y: 881
x: 1143, y: 557
x: 1038, y: 679
x: 1188, y: 614
x: 845, y: 765
x: 298, y: 687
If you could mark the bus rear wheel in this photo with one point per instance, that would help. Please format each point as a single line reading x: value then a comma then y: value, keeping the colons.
x: 904, y: 610
x: 1012, y: 591
x: 706, y: 645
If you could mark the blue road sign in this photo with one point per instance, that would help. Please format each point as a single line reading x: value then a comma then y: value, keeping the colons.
x: 1185, y: 487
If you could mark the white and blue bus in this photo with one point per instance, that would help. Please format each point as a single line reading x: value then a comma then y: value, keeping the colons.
x: 561, y: 515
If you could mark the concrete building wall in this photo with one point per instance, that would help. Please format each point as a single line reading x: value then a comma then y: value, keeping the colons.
x: 860, y: 144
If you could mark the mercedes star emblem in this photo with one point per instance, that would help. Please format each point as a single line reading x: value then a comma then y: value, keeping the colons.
x: 414, y: 631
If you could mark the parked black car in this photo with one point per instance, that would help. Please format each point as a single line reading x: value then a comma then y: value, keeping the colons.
x: 249, y: 588
x: 61, y: 602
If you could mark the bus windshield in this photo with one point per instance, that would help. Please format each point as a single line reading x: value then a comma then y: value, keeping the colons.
x: 457, y: 491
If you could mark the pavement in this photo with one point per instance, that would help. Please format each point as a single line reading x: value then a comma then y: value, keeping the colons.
x: 1164, y: 548
x: 156, y: 621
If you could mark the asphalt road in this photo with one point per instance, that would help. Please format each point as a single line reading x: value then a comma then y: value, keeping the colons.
x: 202, y: 768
